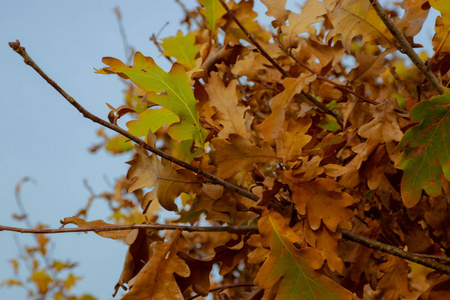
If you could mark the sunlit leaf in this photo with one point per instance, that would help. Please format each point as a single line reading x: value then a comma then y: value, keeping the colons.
x: 179, y: 97
x: 182, y: 47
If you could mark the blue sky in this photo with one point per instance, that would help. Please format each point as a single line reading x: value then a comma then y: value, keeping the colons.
x: 43, y: 137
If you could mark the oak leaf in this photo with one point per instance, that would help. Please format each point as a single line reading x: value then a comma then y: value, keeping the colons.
x: 116, y: 234
x: 273, y: 124
x: 178, y: 97
x: 322, y: 201
x: 312, y: 12
x: 350, y: 18
x: 151, y: 119
x: 150, y: 171
x: 293, y: 268
x: 290, y: 142
x: 182, y: 47
x: 230, y: 113
x: 156, y: 279
x: 425, y: 155
x: 369, y: 66
x: 137, y: 256
x: 394, y: 282
x: 327, y: 244
x: 212, y: 11
x: 244, y: 12
x: 239, y: 155
x: 441, y: 40
x: 382, y: 129
x: 276, y: 9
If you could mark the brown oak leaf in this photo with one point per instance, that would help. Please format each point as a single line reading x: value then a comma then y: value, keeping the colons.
x: 239, y: 155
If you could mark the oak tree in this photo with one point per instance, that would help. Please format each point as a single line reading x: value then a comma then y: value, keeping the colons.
x: 299, y: 175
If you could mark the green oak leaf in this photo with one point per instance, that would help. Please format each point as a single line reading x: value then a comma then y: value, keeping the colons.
x: 182, y: 47
x: 176, y: 93
x: 151, y: 119
x: 118, y: 144
x: 212, y: 11
x: 293, y: 268
x: 425, y: 150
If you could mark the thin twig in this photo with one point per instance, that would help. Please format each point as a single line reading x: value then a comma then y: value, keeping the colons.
x: 274, y: 63
x: 187, y: 12
x: 232, y: 228
x: 407, y: 47
x: 154, y: 39
x: 214, y: 179
x: 23, y: 213
x: 395, y: 251
x: 224, y: 287
x: 126, y: 46
x: 434, y: 257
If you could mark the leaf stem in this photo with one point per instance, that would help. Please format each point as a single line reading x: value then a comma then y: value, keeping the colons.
x: 407, y: 47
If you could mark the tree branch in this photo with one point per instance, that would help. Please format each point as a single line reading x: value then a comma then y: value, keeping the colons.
x: 234, y: 228
x: 395, y: 251
x: 214, y: 179
x: 406, y: 46
x: 417, y: 258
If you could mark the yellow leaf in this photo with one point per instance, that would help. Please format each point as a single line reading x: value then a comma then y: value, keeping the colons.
x: 177, y: 95
x: 42, y: 279
x: 212, y: 11
x: 182, y: 48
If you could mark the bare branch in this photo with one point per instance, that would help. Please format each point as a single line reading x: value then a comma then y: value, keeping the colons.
x: 235, y: 228
x: 214, y: 179
x: 395, y: 251
x: 128, y: 50
x: 407, y: 47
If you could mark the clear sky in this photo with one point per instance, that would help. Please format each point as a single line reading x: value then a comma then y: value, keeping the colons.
x: 43, y: 137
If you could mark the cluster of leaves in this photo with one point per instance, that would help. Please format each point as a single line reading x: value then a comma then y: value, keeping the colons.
x: 48, y: 277
x: 368, y: 155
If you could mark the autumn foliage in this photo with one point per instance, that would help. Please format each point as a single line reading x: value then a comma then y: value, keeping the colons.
x: 338, y: 134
